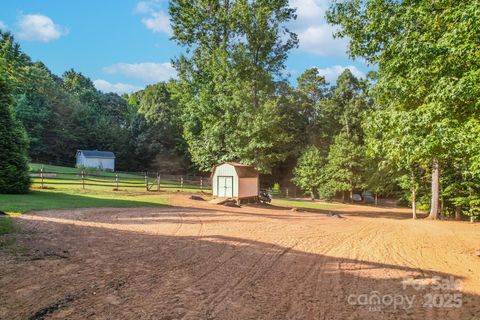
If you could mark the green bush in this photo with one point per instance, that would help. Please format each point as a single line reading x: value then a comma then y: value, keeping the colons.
x: 14, y: 171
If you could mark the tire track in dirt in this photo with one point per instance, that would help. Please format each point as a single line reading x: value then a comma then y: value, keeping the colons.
x: 235, y: 266
x: 306, y: 288
x: 346, y: 249
x: 255, y: 272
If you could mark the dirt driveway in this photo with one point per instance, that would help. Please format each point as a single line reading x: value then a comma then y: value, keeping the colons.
x: 200, y: 261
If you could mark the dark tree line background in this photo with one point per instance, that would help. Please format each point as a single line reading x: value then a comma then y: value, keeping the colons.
x: 63, y: 114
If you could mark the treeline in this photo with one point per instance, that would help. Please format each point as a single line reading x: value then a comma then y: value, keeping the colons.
x: 426, y: 124
x: 63, y: 114
x: 415, y: 127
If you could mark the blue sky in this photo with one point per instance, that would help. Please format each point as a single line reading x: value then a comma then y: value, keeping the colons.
x: 124, y: 45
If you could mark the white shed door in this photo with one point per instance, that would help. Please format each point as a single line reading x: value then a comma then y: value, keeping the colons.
x: 225, y: 186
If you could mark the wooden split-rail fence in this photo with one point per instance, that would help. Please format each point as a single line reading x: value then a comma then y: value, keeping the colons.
x: 142, y: 181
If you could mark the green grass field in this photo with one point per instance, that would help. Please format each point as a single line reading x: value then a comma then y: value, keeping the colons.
x: 73, y: 198
x: 308, y: 204
x: 66, y: 196
x: 68, y: 178
x: 43, y: 199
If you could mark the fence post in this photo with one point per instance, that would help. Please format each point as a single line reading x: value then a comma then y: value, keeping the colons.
x: 158, y: 181
x: 116, y: 180
x: 83, y: 180
x: 201, y: 184
x: 181, y: 184
x: 146, y: 181
x: 286, y: 195
x: 41, y: 175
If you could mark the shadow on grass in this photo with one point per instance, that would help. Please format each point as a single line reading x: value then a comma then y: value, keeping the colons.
x: 43, y: 200
x: 123, y: 274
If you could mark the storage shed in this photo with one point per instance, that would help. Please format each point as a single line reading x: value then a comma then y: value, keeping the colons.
x: 104, y: 160
x: 235, y: 180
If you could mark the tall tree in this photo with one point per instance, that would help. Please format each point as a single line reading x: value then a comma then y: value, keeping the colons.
x: 308, y: 171
x: 158, y: 126
x: 12, y: 60
x: 343, y: 171
x: 14, y: 172
x: 396, y: 139
x: 226, y: 83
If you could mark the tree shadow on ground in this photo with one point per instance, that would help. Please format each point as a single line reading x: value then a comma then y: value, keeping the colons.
x: 82, y: 272
x: 39, y: 200
x: 359, y: 211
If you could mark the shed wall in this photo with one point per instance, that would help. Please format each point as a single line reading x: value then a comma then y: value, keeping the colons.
x: 96, y: 162
x: 248, y: 187
x: 80, y: 159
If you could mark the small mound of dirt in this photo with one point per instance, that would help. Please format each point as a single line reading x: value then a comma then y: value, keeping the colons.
x: 231, y: 204
x: 334, y: 214
x: 197, y: 198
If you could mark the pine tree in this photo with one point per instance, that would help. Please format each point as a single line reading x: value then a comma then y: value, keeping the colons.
x: 308, y: 172
x: 14, y: 176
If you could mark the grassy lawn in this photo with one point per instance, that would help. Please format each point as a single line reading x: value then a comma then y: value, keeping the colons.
x: 68, y: 177
x: 72, y: 198
x: 308, y: 204
x: 36, y: 167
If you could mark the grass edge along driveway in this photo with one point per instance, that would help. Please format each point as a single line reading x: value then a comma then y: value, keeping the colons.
x: 68, y: 199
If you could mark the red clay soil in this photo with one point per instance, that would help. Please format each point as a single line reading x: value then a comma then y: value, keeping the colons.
x: 200, y: 261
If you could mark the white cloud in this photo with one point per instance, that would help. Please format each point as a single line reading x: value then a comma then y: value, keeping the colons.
x: 314, y: 33
x: 3, y: 26
x: 319, y: 40
x: 143, y: 7
x: 155, y: 18
x: 119, y: 88
x: 310, y: 9
x: 150, y: 72
x: 149, y: 6
x: 158, y: 22
x: 37, y: 27
x: 331, y: 73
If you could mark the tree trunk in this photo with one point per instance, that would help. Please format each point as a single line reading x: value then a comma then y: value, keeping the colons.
x: 351, y: 196
x: 434, y: 208
x: 312, y: 195
x: 414, y: 203
x: 376, y: 198
x: 343, y: 195
x: 458, y: 212
x: 346, y: 125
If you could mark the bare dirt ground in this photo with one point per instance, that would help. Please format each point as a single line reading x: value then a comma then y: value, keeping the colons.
x: 200, y: 261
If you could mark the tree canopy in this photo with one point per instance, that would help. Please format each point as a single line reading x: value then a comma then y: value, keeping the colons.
x: 428, y: 72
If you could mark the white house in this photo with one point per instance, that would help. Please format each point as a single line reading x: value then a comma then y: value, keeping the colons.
x: 235, y: 180
x: 104, y: 160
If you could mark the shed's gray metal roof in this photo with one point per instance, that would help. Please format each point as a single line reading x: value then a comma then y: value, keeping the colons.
x: 97, y: 154
x: 243, y: 170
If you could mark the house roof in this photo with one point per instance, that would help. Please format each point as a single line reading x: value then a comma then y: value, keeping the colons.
x: 97, y: 154
x: 242, y: 170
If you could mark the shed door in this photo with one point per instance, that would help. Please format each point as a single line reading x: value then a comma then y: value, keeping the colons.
x: 225, y: 186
